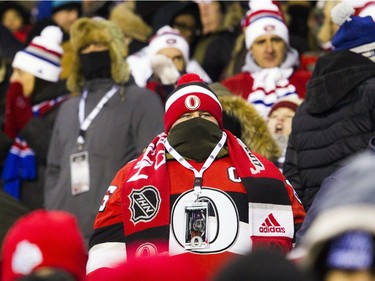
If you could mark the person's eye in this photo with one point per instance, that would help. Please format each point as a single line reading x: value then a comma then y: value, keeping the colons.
x: 205, y: 115
x: 260, y: 42
x: 185, y: 116
x: 277, y: 40
x: 177, y: 58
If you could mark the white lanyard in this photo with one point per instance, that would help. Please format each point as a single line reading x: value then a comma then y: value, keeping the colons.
x: 198, y: 175
x: 86, y: 122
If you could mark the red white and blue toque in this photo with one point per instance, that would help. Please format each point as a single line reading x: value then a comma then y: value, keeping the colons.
x: 167, y: 37
x: 42, y: 57
x: 191, y: 94
x: 264, y: 17
x: 354, y: 31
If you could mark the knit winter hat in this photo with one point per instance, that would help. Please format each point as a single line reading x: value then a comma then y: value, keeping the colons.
x: 42, y: 57
x: 366, y: 9
x: 44, y: 239
x: 354, y: 31
x: 353, y: 250
x: 59, y: 5
x: 191, y: 94
x: 167, y: 37
x: 264, y: 17
x: 288, y: 103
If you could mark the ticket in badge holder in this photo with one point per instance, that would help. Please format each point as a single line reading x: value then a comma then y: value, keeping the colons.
x: 196, y: 219
x: 79, y: 170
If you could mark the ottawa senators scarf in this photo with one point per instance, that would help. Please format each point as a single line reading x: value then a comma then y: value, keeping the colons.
x: 262, y: 180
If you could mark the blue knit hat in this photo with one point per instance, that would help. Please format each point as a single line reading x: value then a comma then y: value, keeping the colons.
x: 353, y: 250
x: 354, y: 31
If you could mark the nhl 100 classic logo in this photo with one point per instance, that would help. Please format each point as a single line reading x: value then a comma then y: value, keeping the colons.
x: 145, y: 204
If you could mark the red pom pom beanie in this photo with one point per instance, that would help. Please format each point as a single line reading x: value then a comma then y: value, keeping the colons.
x: 44, y: 239
x: 191, y: 94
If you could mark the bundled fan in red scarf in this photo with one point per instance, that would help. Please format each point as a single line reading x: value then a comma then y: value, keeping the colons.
x: 262, y: 180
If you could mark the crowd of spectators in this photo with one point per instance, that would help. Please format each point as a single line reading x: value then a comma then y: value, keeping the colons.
x: 84, y: 88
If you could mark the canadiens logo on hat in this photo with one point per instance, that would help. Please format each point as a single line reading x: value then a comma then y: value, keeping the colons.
x: 269, y: 28
x: 171, y: 41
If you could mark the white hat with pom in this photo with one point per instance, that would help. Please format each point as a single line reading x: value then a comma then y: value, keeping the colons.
x: 42, y: 57
x: 264, y: 17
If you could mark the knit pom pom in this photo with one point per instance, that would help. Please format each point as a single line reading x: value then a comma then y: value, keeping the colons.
x: 52, y: 33
x: 188, y: 78
x: 341, y: 13
x: 256, y: 5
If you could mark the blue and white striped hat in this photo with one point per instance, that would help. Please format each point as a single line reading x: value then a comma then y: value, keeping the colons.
x: 42, y: 57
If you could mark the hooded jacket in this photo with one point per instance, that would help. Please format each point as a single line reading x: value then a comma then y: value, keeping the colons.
x: 337, y: 189
x: 336, y: 120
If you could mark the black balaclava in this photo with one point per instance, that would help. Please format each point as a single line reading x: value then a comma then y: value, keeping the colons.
x: 96, y: 65
x: 195, y: 138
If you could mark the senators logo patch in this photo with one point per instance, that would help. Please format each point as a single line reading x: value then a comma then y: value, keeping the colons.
x: 145, y: 204
x: 192, y: 102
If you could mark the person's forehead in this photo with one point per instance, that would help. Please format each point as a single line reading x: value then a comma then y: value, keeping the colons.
x: 170, y: 51
x: 268, y: 36
x: 195, y: 111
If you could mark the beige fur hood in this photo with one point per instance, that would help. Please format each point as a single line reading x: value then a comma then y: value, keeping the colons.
x: 86, y: 31
x: 254, y: 130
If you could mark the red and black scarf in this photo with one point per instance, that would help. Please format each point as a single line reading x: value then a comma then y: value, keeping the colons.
x: 148, y: 175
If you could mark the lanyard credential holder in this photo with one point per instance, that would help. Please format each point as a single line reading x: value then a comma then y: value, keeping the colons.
x: 86, y: 122
x: 79, y: 161
x: 196, y: 213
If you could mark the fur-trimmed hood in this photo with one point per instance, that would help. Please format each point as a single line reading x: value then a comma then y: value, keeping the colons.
x: 254, y: 130
x: 86, y: 31
x: 131, y: 24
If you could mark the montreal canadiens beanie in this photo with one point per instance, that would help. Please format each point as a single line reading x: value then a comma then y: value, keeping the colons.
x: 264, y: 17
x: 44, y: 239
x: 167, y: 37
x: 354, y: 31
x: 191, y: 94
x: 42, y: 57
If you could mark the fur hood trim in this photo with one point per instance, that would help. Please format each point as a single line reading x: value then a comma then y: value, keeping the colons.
x: 86, y: 31
x: 131, y: 24
x: 255, y: 133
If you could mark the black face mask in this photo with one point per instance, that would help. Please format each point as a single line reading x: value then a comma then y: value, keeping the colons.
x: 195, y: 138
x: 96, y: 65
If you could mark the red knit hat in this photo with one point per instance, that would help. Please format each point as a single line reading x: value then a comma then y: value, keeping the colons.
x: 44, y: 239
x: 191, y: 94
x: 288, y: 103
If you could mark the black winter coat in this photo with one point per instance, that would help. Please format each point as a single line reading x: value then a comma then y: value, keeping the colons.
x: 336, y: 120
